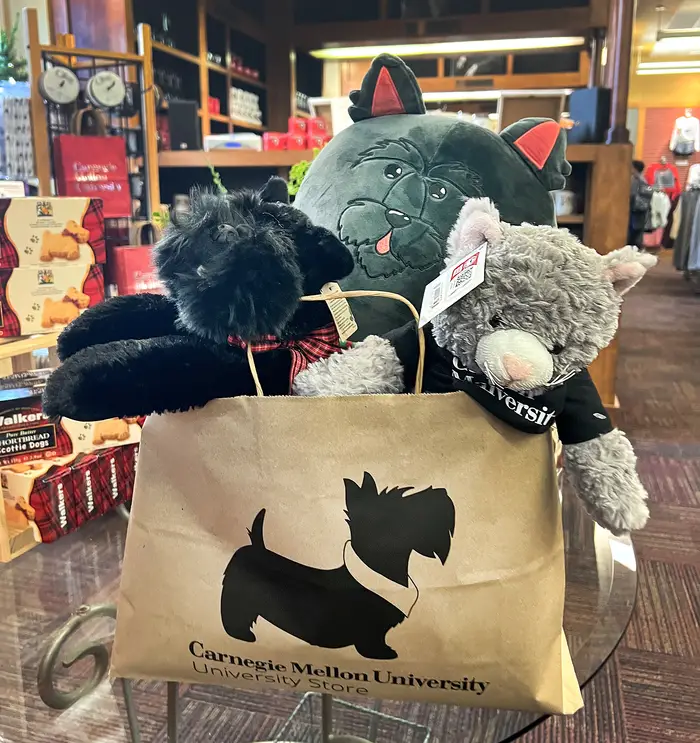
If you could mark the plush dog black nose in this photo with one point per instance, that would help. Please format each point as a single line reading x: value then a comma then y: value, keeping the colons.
x: 397, y: 219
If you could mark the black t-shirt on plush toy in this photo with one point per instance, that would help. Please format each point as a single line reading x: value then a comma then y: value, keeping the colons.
x: 574, y: 405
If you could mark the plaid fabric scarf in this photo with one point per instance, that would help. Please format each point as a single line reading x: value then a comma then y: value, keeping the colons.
x: 318, y: 344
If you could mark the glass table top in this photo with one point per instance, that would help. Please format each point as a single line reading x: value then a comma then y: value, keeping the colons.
x: 39, y: 591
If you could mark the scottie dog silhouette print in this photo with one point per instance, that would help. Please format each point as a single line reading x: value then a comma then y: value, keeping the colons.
x: 357, y: 603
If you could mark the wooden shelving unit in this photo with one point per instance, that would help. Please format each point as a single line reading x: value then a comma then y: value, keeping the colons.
x: 571, y: 219
x: 233, y: 159
x: 227, y: 25
x: 603, y: 173
x: 158, y: 47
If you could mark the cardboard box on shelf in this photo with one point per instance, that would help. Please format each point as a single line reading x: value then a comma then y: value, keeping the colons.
x: 40, y: 495
x: 54, y: 497
x: 46, y: 299
x: 51, y: 231
x: 26, y: 434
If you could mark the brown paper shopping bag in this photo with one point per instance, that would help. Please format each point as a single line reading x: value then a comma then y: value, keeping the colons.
x: 398, y: 546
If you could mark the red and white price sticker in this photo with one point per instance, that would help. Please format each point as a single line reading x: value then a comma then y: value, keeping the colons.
x: 455, y: 282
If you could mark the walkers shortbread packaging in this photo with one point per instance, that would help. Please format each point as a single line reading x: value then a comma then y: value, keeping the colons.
x: 26, y: 434
x: 46, y: 299
x: 51, y: 232
x: 57, y: 496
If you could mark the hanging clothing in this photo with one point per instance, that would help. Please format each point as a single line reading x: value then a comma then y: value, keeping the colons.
x: 693, y: 178
x: 688, y: 207
x: 659, y: 210
x: 664, y: 177
x: 693, y: 263
x: 671, y: 232
x: 686, y: 136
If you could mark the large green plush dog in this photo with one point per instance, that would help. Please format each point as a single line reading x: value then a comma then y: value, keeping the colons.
x: 392, y: 184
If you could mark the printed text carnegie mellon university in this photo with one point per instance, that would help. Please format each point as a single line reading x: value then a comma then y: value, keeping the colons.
x: 268, y: 671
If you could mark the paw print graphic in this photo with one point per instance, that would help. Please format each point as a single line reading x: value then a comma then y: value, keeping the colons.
x: 29, y: 318
x: 87, y: 426
x: 82, y: 437
x: 28, y: 250
x: 36, y: 307
x: 34, y: 239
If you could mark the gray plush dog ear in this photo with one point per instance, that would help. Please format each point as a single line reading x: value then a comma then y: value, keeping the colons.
x: 478, y: 222
x: 542, y: 145
x: 626, y: 267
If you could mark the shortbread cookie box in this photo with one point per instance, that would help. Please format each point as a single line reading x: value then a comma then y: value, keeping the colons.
x: 45, y: 299
x: 52, y: 231
x: 26, y: 434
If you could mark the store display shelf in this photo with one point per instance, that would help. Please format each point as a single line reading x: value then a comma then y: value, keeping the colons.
x: 248, y: 80
x: 11, y: 347
x: 571, y: 219
x: 220, y: 117
x: 233, y: 159
x: 175, y: 52
x: 302, y: 114
x: 243, y: 124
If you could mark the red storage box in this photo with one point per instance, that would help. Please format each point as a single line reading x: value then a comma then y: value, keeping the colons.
x: 297, y: 125
x: 274, y: 141
x: 317, y: 126
x: 296, y: 141
x: 131, y: 269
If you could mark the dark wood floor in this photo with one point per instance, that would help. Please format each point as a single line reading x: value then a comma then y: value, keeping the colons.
x: 649, y: 692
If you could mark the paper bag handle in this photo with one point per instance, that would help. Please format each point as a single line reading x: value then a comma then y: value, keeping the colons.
x: 76, y: 122
x: 138, y: 233
x: 350, y: 295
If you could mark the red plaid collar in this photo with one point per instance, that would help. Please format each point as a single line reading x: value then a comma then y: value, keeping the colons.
x: 318, y: 344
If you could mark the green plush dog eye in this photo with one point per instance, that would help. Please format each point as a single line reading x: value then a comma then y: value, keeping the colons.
x: 437, y: 191
x: 393, y: 171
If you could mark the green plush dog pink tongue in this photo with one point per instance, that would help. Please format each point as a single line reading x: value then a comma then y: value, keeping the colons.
x: 384, y: 244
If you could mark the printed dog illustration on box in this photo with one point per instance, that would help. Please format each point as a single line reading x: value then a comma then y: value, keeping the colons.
x: 357, y: 603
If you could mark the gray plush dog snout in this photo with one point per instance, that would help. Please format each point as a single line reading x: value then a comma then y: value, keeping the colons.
x: 515, y: 359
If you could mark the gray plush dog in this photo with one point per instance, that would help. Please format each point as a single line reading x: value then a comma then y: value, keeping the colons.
x: 519, y: 344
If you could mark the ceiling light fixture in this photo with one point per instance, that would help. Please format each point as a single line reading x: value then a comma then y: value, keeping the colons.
x: 489, y: 95
x: 670, y: 71
x: 680, y: 40
x: 666, y: 65
x: 450, y: 47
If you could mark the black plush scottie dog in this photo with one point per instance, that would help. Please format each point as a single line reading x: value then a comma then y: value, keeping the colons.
x: 357, y: 603
x: 235, y: 268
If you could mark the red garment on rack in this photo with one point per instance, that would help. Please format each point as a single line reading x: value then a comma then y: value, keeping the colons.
x: 652, y: 172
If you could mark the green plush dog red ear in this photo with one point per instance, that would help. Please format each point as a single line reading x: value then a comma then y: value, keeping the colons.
x: 389, y: 88
x: 542, y: 145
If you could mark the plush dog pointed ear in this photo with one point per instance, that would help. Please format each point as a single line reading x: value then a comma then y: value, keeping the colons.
x: 275, y: 190
x: 388, y: 88
x: 626, y: 267
x: 542, y: 145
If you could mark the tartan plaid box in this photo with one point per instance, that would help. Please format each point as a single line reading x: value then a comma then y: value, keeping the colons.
x: 113, y: 477
x: 89, y: 495
x: 56, y: 512
x: 131, y: 460
x: 42, y: 492
x: 46, y: 299
x: 51, y: 231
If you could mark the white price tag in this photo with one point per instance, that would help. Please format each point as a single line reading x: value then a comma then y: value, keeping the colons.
x: 455, y: 282
x: 340, y: 310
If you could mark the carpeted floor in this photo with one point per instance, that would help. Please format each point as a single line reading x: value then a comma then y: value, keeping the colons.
x: 649, y: 692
